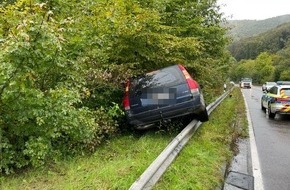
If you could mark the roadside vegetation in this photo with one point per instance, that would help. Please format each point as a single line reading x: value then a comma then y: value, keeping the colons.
x: 63, y: 65
x: 117, y: 163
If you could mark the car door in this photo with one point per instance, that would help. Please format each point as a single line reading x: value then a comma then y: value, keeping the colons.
x: 272, y: 93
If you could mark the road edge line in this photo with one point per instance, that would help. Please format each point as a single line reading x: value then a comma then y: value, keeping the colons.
x: 256, y: 169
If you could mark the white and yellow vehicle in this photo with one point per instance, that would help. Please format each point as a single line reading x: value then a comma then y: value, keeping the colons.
x: 277, y: 99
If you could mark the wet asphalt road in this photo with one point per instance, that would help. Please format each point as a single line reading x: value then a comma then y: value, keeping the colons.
x: 273, y: 142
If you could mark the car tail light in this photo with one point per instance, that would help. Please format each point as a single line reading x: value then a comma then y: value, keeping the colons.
x: 126, y: 101
x: 192, y: 84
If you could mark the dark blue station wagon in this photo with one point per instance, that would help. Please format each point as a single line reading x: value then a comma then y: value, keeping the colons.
x: 161, y: 95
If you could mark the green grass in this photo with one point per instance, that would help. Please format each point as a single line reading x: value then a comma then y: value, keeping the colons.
x: 115, y: 165
x: 202, y: 161
x: 120, y: 161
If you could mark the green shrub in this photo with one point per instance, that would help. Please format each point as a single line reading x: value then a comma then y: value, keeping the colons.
x: 41, y: 86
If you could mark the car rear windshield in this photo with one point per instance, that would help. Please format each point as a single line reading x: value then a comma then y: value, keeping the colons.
x: 167, y: 77
x: 286, y: 91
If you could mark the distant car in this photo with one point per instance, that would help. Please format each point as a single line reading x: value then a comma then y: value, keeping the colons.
x: 162, y: 95
x: 277, y: 99
x: 246, y: 83
x: 267, y: 85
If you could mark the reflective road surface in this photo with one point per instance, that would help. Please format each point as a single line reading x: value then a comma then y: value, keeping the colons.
x: 273, y: 142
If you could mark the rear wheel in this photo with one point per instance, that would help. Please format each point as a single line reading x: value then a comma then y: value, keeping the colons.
x: 270, y: 114
x: 203, y: 116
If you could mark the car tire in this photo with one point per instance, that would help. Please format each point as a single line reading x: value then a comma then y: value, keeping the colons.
x: 203, y: 116
x: 270, y: 114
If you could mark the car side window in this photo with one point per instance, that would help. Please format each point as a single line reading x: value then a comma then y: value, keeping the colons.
x: 273, y: 90
x: 286, y: 91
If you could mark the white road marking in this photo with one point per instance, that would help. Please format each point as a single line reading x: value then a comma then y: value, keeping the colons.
x: 258, y: 180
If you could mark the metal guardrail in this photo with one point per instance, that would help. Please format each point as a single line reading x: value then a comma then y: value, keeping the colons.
x: 158, y: 167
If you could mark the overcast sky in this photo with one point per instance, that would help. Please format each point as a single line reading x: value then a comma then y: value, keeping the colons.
x: 254, y: 9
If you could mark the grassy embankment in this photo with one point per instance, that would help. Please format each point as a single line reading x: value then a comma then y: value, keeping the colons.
x: 119, y: 162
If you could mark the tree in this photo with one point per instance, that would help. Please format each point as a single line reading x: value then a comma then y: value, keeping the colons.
x: 263, y: 69
x: 282, y: 64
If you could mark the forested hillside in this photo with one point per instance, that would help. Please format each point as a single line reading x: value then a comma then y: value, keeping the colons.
x: 240, y: 29
x: 265, y: 57
x: 63, y: 65
x: 271, y: 41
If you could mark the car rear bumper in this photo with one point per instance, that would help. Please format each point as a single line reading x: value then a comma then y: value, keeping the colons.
x: 165, y: 113
x: 281, y: 108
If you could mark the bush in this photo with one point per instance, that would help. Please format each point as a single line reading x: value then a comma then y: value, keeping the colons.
x: 49, y: 128
x: 42, y: 115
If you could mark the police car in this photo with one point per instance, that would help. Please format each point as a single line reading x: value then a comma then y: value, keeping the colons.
x: 277, y: 99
